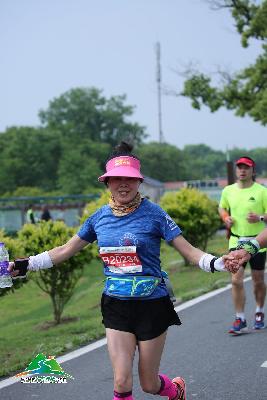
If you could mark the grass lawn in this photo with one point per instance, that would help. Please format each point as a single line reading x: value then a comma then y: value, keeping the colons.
x: 26, y: 314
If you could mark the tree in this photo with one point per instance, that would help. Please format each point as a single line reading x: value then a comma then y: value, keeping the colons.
x: 94, y: 205
x: 84, y: 113
x: 29, y: 157
x: 58, y: 282
x: 80, y: 165
x: 195, y: 213
x: 162, y: 161
x: 259, y: 155
x: 204, y: 162
x: 246, y: 91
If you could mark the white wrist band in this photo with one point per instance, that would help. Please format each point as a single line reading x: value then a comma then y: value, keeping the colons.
x: 219, y: 265
x: 40, y: 261
x: 205, y: 260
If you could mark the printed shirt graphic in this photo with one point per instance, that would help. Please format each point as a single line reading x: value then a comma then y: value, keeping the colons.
x: 143, y: 229
x: 240, y: 202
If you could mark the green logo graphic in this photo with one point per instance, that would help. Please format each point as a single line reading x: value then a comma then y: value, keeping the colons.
x: 42, y: 365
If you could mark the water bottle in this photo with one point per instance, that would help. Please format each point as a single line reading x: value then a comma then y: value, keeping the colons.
x: 5, y: 277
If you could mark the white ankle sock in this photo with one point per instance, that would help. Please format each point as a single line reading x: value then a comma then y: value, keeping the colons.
x: 240, y: 315
x: 259, y: 309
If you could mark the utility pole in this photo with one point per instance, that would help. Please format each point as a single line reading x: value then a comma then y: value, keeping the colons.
x: 230, y: 169
x: 158, y: 78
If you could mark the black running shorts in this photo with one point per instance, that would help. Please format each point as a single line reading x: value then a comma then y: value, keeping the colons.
x: 146, y: 319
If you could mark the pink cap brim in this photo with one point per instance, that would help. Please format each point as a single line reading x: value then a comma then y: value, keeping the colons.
x: 121, y: 171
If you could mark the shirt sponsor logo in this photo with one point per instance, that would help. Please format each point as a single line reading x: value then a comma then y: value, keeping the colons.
x: 170, y: 222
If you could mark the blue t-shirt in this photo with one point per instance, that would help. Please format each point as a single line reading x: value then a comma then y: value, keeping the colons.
x: 136, y: 237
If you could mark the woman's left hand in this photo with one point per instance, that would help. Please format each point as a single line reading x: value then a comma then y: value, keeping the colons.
x: 231, y: 263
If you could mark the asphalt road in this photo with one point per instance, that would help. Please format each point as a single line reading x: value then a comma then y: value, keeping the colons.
x: 216, y: 366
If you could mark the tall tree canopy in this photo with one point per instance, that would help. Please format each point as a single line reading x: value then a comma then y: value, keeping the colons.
x: 68, y: 153
x: 84, y: 113
x: 246, y: 91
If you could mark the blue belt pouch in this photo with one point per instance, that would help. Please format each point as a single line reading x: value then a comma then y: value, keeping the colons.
x: 137, y: 286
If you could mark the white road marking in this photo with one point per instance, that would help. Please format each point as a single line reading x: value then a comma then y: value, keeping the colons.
x: 264, y: 364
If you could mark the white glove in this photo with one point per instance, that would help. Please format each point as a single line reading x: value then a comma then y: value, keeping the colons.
x: 206, y: 261
x: 219, y: 265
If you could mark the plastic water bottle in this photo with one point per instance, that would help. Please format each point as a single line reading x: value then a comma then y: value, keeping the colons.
x: 5, y: 277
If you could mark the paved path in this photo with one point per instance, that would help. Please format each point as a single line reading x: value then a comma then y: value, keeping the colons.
x: 215, y: 365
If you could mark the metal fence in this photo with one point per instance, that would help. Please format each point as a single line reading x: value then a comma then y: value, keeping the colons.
x: 62, y: 208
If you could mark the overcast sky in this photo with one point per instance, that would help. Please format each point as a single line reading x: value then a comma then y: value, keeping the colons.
x: 51, y: 46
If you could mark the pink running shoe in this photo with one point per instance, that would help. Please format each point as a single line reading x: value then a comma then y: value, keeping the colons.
x: 180, y: 382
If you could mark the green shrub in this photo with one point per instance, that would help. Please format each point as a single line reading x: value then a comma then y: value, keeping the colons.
x: 195, y: 213
x: 58, y: 282
x: 92, y: 206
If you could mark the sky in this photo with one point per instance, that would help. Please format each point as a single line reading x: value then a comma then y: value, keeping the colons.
x: 51, y: 46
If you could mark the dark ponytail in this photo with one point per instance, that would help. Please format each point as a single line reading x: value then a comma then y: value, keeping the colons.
x: 122, y: 149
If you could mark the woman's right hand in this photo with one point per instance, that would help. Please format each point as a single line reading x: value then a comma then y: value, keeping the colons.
x: 228, y: 222
x: 18, y: 268
x: 10, y: 268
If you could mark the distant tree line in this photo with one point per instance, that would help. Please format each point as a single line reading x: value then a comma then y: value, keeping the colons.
x: 67, y: 152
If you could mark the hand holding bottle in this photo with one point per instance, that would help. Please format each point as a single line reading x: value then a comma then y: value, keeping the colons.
x: 5, y: 276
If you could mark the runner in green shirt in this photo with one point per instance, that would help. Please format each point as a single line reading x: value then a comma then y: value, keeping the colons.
x: 243, y: 208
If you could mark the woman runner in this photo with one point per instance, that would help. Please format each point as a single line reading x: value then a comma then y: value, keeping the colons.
x: 135, y: 304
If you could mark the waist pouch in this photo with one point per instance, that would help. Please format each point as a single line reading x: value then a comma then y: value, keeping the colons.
x: 131, y: 286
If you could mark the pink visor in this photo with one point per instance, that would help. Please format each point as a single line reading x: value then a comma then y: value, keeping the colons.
x: 122, y: 166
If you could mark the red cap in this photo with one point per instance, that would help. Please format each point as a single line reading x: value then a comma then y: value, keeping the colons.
x: 246, y: 161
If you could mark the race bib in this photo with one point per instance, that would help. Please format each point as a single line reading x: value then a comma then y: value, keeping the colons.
x: 121, y: 260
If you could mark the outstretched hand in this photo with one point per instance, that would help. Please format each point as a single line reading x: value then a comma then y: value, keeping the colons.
x: 235, y: 259
x: 231, y: 263
x: 241, y: 255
